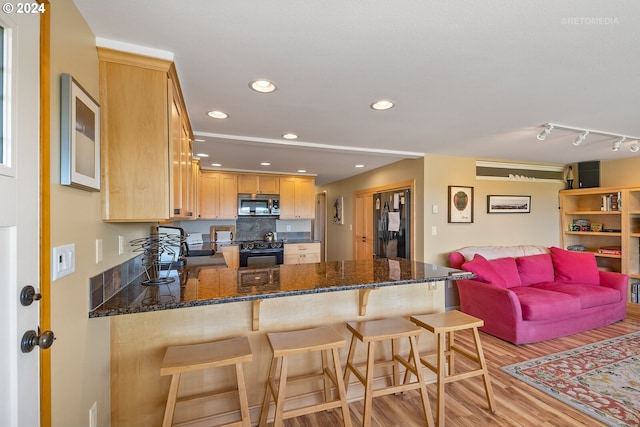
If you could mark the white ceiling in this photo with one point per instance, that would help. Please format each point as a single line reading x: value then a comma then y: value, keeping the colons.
x: 469, y: 78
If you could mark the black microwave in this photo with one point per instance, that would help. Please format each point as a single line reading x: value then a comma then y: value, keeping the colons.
x: 258, y: 204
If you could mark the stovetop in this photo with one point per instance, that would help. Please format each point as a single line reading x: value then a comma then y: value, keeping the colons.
x: 259, y: 244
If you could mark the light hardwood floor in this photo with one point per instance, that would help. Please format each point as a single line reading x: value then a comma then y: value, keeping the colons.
x: 518, y: 404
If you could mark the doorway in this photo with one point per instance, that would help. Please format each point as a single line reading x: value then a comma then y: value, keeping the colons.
x: 363, y: 244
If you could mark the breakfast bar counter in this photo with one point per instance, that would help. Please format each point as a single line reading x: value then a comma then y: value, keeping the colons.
x: 208, y: 303
x: 204, y: 281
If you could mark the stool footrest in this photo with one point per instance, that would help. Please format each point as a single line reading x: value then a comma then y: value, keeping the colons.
x: 208, y: 395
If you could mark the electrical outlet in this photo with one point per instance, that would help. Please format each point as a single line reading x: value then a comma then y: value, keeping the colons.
x: 434, y: 230
x: 99, y: 255
x: 93, y: 415
x: 63, y: 261
x: 288, y: 227
x: 120, y: 245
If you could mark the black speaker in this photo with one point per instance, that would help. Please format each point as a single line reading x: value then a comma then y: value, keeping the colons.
x: 589, y: 174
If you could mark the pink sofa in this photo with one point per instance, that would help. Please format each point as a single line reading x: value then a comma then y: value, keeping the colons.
x: 530, y: 293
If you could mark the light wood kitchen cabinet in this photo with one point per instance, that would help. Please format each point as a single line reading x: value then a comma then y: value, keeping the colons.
x: 182, y: 159
x: 195, y: 187
x: 301, y: 253
x: 231, y: 254
x: 218, y: 195
x: 258, y: 184
x: 297, y: 198
x: 144, y: 127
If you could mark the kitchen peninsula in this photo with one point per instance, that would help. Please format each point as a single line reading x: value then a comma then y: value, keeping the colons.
x: 208, y: 303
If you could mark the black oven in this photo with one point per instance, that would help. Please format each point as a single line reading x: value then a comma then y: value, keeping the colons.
x: 258, y: 254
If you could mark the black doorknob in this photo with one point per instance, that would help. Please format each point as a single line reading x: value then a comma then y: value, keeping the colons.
x: 31, y: 338
x: 28, y: 295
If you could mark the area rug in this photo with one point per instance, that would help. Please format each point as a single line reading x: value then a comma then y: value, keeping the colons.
x: 601, y: 379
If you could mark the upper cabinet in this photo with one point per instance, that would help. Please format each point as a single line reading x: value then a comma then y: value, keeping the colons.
x: 297, y: 197
x: 218, y: 195
x: 258, y: 184
x: 146, y: 140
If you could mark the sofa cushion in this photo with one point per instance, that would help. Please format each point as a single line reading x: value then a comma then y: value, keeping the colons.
x: 535, y: 269
x: 484, y: 271
x: 508, y: 270
x: 575, y: 267
x: 493, y: 252
x: 589, y: 295
x: 541, y: 304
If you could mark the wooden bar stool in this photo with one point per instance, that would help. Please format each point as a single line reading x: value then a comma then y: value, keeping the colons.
x: 443, y: 325
x: 372, y: 331
x: 284, y: 344
x: 194, y: 357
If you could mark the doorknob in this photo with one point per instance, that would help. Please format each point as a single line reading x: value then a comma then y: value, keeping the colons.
x: 30, y: 339
x: 28, y: 295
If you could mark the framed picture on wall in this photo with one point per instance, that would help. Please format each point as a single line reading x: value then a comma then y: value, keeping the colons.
x: 508, y: 204
x: 338, y: 211
x: 79, y: 136
x: 460, y: 204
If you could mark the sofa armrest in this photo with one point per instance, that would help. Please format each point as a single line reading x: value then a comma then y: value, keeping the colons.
x: 613, y: 280
x: 490, y: 303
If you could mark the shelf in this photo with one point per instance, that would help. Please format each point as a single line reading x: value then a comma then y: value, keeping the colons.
x: 595, y: 233
x: 593, y: 213
x: 598, y: 254
x: 585, y: 204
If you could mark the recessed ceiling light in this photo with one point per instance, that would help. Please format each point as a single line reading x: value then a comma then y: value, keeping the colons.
x: 290, y: 136
x: 202, y: 155
x: 217, y: 114
x: 265, y: 164
x: 359, y: 166
x: 216, y: 164
x: 262, y: 86
x: 302, y: 171
x: 383, y: 104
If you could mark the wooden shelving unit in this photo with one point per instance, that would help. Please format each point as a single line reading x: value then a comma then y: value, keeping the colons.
x: 621, y: 227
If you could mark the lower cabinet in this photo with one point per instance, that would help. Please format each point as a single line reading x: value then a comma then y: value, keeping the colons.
x: 301, y: 253
x: 231, y: 255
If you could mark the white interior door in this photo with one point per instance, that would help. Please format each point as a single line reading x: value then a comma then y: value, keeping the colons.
x: 19, y: 216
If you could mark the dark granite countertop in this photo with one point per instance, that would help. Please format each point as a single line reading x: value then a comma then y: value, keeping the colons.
x: 200, y: 283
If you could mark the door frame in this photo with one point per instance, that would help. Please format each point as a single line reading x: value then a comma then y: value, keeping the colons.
x: 320, y: 224
x: 391, y: 187
x: 45, y: 208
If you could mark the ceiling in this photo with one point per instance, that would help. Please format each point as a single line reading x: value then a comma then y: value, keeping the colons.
x: 473, y: 79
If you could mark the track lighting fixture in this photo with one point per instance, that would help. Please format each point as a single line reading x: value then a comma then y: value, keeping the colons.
x: 546, y: 131
x: 617, y: 143
x: 580, y: 138
x: 634, y: 145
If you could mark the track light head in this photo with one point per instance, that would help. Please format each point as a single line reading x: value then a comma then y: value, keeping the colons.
x: 634, y: 147
x: 580, y: 138
x: 546, y: 131
x: 617, y: 143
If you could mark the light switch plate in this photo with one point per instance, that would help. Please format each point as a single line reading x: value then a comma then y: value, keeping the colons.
x: 99, y: 252
x: 63, y: 261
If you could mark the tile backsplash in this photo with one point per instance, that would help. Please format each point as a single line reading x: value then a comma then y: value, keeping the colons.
x: 106, y: 284
x: 254, y: 228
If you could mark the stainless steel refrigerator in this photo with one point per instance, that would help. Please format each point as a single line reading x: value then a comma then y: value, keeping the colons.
x: 391, y: 224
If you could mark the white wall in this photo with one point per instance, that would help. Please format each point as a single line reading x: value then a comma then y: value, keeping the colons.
x: 433, y: 175
x: 541, y: 226
x: 80, y: 359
